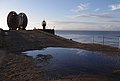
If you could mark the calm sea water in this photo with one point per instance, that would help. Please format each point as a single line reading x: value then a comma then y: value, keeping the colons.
x: 71, y: 61
x: 111, y: 38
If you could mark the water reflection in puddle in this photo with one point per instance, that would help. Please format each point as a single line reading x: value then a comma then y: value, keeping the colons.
x: 71, y: 61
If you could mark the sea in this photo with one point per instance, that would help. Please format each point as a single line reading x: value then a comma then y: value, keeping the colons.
x: 110, y: 38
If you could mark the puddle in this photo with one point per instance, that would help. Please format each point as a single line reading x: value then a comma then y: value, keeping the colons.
x: 71, y: 61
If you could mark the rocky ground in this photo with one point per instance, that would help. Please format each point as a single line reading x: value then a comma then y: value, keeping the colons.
x: 15, y: 66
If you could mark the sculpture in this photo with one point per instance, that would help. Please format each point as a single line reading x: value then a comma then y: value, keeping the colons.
x: 22, y: 21
x: 15, y: 21
x: 12, y: 20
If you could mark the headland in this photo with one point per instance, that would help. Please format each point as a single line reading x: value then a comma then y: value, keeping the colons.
x: 18, y: 67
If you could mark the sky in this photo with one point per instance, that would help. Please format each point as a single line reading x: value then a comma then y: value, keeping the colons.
x: 65, y: 14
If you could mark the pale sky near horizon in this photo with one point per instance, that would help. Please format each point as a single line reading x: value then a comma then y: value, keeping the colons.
x: 65, y: 14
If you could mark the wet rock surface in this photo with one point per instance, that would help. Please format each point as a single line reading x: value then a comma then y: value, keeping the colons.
x: 16, y: 67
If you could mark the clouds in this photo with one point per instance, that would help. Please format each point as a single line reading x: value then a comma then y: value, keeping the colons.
x: 92, y: 16
x: 115, y: 6
x: 97, y: 9
x: 86, y: 22
x: 81, y: 7
x: 86, y: 6
x: 95, y: 25
x: 88, y: 10
x: 72, y: 22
